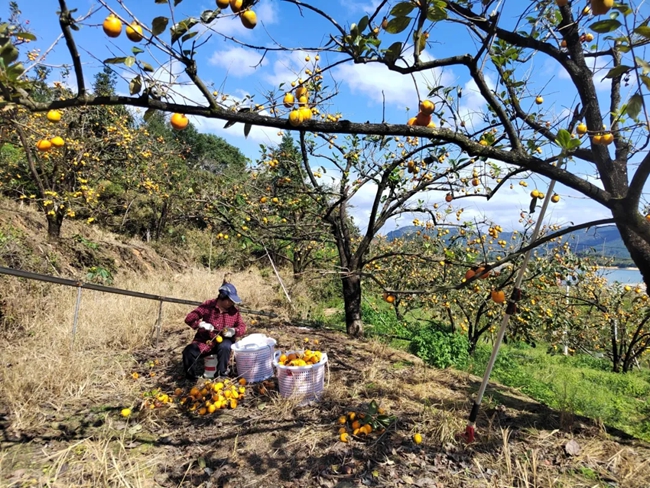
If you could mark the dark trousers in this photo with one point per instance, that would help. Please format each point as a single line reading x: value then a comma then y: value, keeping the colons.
x: 193, y: 359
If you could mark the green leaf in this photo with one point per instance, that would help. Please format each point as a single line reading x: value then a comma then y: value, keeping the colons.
x: 230, y: 123
x: 15, y: 70
x: 149, y: 113
x: 363, y: 23
x: 618, y: 71
x: 28, y: 36
x: 181, y: 28
x: 643, y: 30
x: 209, y: 15
x: 136, y: 50
x: 147, y: 67
x: 634, y: 105
x: 135, y: 85
x: 393, y: 52
x: 189, y: 36
x: 247, y: 129
x: 161, y: 1
x: 129, y: 61
x: 604, y: 26
x: 563, y: 139
x: 9, y: 53
x: 397, y: 25
x: 159, y: 25
x: 623, y: 8
x: 422, y: 42
x: 119, y: 60
x: 574, y: 143
x: 373, y: 407
x: 645, y: 67
x: 176, y: 2
x: 402, y: 9
x: 646, y: 81
x: 437, y: 12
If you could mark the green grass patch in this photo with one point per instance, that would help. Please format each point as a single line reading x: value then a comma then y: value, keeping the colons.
x: 578, y: 384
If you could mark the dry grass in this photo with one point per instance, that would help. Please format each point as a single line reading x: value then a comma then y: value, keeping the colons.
x: 51, y: 368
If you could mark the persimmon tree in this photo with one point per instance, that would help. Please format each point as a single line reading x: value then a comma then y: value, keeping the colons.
x: 611, y: 320
x: 468, y: 298
x: 274, y: 210
x: 516, y: 133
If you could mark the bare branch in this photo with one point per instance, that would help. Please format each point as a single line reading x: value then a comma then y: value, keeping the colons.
x: 65, y: 21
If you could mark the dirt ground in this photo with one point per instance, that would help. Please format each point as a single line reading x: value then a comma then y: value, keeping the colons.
x: 268, y: 441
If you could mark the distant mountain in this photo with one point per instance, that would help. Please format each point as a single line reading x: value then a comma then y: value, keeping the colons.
x: 604, y: 241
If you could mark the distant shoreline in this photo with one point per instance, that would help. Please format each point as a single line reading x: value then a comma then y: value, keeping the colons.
x: 616, y: 267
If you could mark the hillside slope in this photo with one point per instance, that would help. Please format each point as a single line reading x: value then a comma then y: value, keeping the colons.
x: 24, y: 245
x: 604, y: 241
x: 270, y: 441
x: 60, y: 409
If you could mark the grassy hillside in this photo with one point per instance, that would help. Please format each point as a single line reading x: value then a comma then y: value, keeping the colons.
x: 604, y: 241
x: 61, y: 401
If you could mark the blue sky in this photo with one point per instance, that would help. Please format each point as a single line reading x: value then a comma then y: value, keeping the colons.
x: 362, y: 89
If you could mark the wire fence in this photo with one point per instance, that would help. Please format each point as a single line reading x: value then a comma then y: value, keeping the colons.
x: 80, y: 285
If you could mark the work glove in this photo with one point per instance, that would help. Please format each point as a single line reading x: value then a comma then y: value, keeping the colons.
x: 228, y: 332
x: 206, y: 326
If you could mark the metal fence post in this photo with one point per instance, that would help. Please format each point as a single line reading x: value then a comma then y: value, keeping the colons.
x: 159, y: 323
x: 76, y: 313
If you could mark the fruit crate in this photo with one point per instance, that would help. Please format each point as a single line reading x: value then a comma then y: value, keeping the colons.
x: 303, y: 382
x: 254, y: 357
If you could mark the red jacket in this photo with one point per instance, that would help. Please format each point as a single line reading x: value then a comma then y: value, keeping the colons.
x: 208, y: 312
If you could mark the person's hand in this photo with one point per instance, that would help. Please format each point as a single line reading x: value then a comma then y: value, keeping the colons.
x: 228, y: 332
x: 206, y: 326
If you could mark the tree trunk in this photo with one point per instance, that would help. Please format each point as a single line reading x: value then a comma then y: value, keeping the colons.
x: 54, y: 223
x: 161, y: 220
x: 614, y: 336
x: 352, y: 298
x: 473, y: 342
x: 639, y: 251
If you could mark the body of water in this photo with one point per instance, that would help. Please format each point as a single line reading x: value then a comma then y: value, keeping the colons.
x: 622, y: 275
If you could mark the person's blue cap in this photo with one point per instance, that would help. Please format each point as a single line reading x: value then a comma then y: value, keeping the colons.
x: 228, y: 290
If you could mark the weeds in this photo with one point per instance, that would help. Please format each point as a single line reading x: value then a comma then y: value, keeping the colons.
x: 573, y: 386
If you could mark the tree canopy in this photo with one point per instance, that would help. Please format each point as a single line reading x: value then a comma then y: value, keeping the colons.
x: 596, y: 145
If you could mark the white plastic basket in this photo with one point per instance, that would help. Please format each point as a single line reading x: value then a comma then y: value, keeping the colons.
x: 254, y: 357
x: 303, y: 382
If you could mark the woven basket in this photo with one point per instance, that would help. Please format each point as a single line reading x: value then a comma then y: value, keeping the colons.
x: 303, y: 382
x: 254, y: 358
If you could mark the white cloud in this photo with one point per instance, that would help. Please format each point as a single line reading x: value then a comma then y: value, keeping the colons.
x: 473, y: 105
x: 376, y: 82
x: 504, y: 208
x: 244, y: 61
x: 288, y: 67
x: 599, y: 67
x: 234, y: 135
x: 366, y: 8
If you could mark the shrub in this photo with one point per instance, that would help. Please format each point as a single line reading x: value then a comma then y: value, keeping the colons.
x: 440, y: 349
x: 381, y: 322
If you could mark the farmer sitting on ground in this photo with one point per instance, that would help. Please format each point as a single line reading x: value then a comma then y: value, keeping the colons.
x: 217, y: 323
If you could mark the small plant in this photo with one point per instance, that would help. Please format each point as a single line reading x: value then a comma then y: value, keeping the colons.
x: 89, y: 244
x: 98, y: 274
x: 440, y: 349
